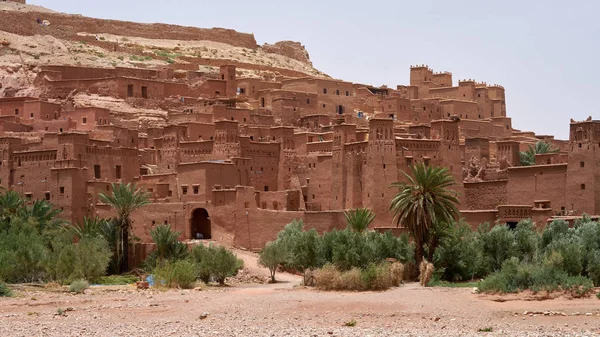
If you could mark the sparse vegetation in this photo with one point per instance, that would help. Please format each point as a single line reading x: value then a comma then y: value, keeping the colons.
x: 350, y: 323
x: 4, y: 290
x: 79, y: 286
x: 487, y: 329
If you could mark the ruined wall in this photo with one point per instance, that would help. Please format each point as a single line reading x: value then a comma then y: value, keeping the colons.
x: 67, y: 26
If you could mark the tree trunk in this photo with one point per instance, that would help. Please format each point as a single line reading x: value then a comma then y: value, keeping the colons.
x: 433, y: 244
x: 124, y: 263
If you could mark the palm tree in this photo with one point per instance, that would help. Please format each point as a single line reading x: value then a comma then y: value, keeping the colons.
x: 541, y: 147
x: 44, y: 214
x: 10, y: 204
x: 359, y: 219
x: 124, y: 200
x: 424, y: 202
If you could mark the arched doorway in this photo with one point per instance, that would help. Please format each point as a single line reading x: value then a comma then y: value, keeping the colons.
x: 200, y: 224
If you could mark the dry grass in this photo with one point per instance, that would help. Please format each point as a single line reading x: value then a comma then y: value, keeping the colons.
x: 426, y: 270
x: 375, y: 277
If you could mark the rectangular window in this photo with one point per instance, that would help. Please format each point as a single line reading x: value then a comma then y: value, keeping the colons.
x: 170, y: 193
x: 47, y: 195
x: 130, y: 90
x: 246, y: 204
x: 184, y: 190
x: 308, y: 101
x: 581, y: 164
x: 118, y: 171
x: 28, y: 196
x: 196, y: 189
x: 16, y: 111
x: 337, y: 92
x: 144, y: 92
x: 62, y: 190
x: 266, y: 188
x: 583, y: 186
x: 347, y: 93
x: 31, y: 115
x: 324, y: 90
x: 97, y: 172
x: 84, y: 120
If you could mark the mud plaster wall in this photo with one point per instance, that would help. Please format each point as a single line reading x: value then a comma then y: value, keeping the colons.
x: 485, y: 194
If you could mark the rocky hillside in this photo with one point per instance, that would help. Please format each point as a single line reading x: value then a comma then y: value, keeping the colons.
x: 77, y: 40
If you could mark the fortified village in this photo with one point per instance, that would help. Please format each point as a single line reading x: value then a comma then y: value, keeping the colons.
x: 235, y: 140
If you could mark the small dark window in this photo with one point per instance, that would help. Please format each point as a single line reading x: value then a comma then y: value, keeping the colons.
x: 31, y: 115
x: 47, y: 194
x: 196, y: 189
x: 323, y: 104
x: 580, y: 145
x: 118, y: 171
x: 84, y: 120
x: 16, y: 111
x: 184, y: 190
x: 583, y: 186
x: 97, y: 174
x: 324, y: 90
x: 266, y: 188
x: 347, y: 93
x: 337, y: 92
x: 144, y: 92
x: 130, y: 90
x: 581, y: 164
x: 170, y: 193
x: 62, y: 190
x: 308, y: 101
x: 217, y: 93
x: 28, y: 196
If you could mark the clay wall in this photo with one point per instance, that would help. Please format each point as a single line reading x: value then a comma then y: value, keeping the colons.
x: 13, y: 106
x: 86, y: 119
x: 462, y: 109
x: 195, y: 151
x: 62, y: 88
x: 476, y: 218
x: 485, y: 195
x: 541, y: 182
x: 39, y: 110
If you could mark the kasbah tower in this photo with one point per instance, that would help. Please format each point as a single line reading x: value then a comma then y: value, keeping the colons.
x: 234, y: 150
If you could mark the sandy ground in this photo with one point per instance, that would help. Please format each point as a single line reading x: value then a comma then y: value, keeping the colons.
x: 285, y: 309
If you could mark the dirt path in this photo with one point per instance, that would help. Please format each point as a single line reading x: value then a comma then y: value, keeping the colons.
x: 273, y: 310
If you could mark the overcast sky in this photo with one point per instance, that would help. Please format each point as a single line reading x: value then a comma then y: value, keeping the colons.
x: 543, y: 52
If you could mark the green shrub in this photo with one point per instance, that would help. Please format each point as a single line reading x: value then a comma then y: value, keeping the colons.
x: 79, y: 286
x: 516, y: 276
x: 223, y: 264
x: 178, y: 274
x: 116, y: 279
x: 498, y: 245
x: 4, y: 290
x: 215, y: 263
x: 459, y: 254
x: 88, y: 259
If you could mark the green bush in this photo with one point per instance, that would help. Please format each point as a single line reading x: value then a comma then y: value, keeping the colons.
x: 498, y: 245
x: 215, y: 263
x: 516, y: 276
x: 116, y: 279
x: 88, y: 259
x: 178, y: 274
x: 4, y: 290
x: 79, y: 286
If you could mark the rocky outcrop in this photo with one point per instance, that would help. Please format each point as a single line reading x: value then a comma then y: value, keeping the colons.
x: 291, y: 49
